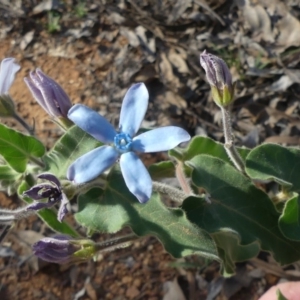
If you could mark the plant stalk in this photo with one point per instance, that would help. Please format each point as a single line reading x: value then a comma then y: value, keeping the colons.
x: 180, y: 175
x: 116, y: 243
x: 19, y: 119
x: 175, y: 194
x: 229, y: 141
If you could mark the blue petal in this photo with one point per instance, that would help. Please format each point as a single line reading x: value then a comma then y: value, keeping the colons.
x: 8, y: 71
x: 160, y: 139
x: 93, y: 123
x: 133, y: 109
x: 136, y: 176
x: 92, y: 164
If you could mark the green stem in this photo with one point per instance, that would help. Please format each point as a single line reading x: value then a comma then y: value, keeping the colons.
x: 83, y: 188
x: 116, y: 243
x: 23, y: 123
x: 229, y: 141
x: 37, y: 161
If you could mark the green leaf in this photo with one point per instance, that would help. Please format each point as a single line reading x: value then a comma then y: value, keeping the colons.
x: 17, y: 148
x: 7, y: 173
x: 280, y: 295
x: 205, y: 145
x: 111, y: 209
x: 274, y: 162
x: 9, y: 179
x: 74, y: 143
x: 289, y: 221
x: 238, y: 205
x: 231, y: 251
x: 49, y: 216
x: 164, y: 169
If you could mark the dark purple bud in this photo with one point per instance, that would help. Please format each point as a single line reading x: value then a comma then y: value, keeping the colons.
x: 63, y: 249
x: 57, y: 249
x: 52, y: 191
x: 219, y: 78
x: 49, y: 94
x: 216, y: 70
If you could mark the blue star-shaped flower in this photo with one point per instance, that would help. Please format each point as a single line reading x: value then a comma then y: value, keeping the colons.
x: 123, y: 144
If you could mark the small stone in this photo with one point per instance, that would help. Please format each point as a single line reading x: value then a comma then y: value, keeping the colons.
x: 132, y: 292
x: 137, y: 282
x: 126, y: 279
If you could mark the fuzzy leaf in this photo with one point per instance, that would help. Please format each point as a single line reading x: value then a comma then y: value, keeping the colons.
x: 274, y: 162
x: 111, y: 209
x: 236, y: 204
x: 17, y: 148
x: 164, y: 169
x: 205, y: 145
x: 289, y: 221
x: 74, y: 143
x: 231, y: 251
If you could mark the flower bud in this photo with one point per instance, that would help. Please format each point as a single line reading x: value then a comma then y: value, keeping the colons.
x: 8, y: 71
x: 219, y: 78
x: 49, y: 94
x: 64, y: 249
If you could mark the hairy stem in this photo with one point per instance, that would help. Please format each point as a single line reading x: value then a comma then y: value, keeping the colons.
x: 175, y: 194
x: 116, y: 243
x: 8, y: 216
x: 83, y: 188
x: 229, y: 141
x: 180, y: 175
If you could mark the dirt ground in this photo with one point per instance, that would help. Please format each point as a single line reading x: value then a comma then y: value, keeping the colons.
x: 95, y: 56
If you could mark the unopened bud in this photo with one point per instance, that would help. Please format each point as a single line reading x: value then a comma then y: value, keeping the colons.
x: 49, y: 94
x: 219, y: 78
x: 8, y: 72
x: 64, y: 249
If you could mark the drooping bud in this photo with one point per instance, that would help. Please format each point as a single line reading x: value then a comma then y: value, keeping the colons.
x: 219, y: 78
x: 49, y: 94
x: 53, y: 191
x: 8, y: 70
x: 64, y: 249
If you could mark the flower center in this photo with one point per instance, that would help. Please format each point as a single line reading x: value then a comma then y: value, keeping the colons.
x: 123, y: 142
